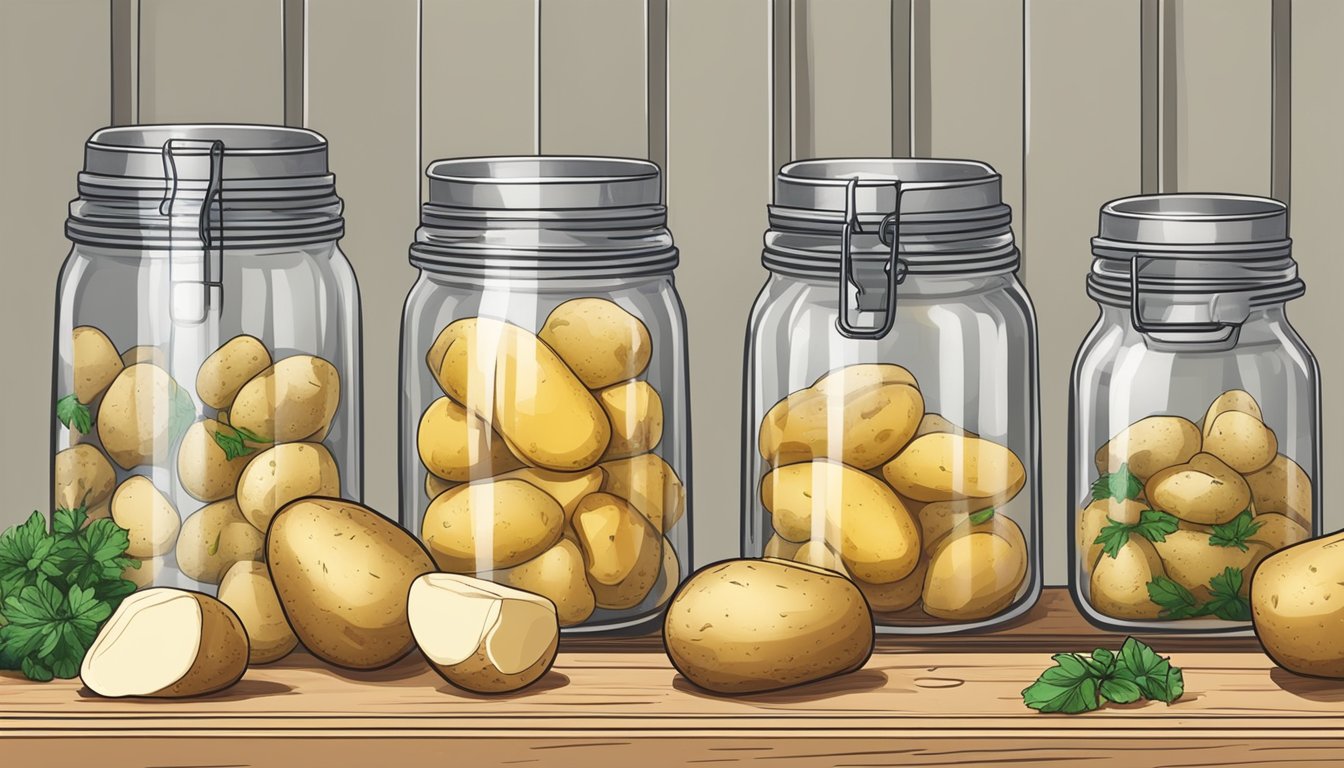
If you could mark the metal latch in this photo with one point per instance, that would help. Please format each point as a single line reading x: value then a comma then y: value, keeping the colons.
x: 1225, y: 314
x: 894, y: 270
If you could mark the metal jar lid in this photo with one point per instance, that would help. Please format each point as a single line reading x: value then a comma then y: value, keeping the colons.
x: 1193, y: 265
x: 544, y: 216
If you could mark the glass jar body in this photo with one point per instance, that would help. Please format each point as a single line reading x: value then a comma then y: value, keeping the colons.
x: 475, y: 446
x: 953, y: 552
x: 1239, y: 418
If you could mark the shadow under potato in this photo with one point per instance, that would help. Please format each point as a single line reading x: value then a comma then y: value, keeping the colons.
x: 548, y: 682
x: 240, y: 691
x: 855, y: 682
x: 1310, y: 688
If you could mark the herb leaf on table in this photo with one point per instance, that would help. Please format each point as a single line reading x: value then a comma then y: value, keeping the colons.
x: 1079, y: 683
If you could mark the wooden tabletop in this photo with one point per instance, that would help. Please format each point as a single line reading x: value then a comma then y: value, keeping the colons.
x: 938, y: 701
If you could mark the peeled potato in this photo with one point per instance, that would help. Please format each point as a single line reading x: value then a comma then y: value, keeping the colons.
x: 150, y: 519
x: 1119, y: 585
x: 946, y: 467
x: 864, y: 428
x: 83, y: 477
x: 861, y: 376
x: 247, y: 589
x: 622, y: 551
x: 459, y: 446
x: 1282, y: 487
x: 557, y: 575
x: 133, y: 418
x: 282, y: 473
x: 214, y: 538
x: 1149, y: 446
x: 650, y: 484
x: 1203, y: 490
x: 1241, y: 441
x: 203, y: 468
x: 95, y: 363
x: 599, y: 340
x: 228, y: 368
x: 515, y: 519
x: 290, y: 400
x: 636, y: 414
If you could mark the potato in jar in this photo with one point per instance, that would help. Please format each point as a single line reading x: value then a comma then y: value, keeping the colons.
x: 214, y: 538
x: 636, y: 414
x: 1119, y: 585
x: 1190, y: 559
x: 134, y: 417
x: 515, y: 519
x: 1282, y: 487
x: 976, y: 573
x: 650, y: 485
x: 457, y: 445
x: 622, y: 551
x: 1241, y: 441
x: 145, y: 353
x: 1204, y: 490
x: 94, y: 362
x: 203, y: 468
x: 1149, y: 446
x: 861, y: 376
x: 557, y: 575
x: 282, y: 473
x: 450, y: 333
x: 871, y: 424
x: 83, y: 477
x: 1098, y: 515
x: 599, y: 340
x: 1276, y: 531
x: 567, y: 488
x: 435, y: 485
x: 897, y: 595
x: 228, y: 368
x: 934, y: 422
x: 290, y: 400
x: 948, y: 467
x: 1232, y: 400
x: 150, y: 519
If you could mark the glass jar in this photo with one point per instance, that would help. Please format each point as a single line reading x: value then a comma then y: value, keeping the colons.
x: 1194, y: 412
x: 207, y: 343
x: 544, y: 416
x: 891, y: 394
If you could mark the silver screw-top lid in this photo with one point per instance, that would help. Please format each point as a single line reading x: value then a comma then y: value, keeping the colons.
x: 540, y: 183
x: 1171, y: 222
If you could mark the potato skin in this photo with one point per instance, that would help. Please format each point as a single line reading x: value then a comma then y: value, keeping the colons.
x: 1241, y: 441
x: 1119, y: 585
x: 622, y: 551
x: 650, y: 484
x: 636, y: 414
x: 343, y: 573
x: 203, y: 469
x: 291, y: 400
x: 948, y: 467
x: 1297, y: 606
x: 215, y: 537
x: 247, y: 589
x: 151, y: 520
x: 133, y: 416
x: 599, y: 340
x: 283, y: 473
x: 222, y: 659
x: 872, y: 424
x: 1277, y: 531
x: 526, y: 523
x: 1204, y: 491
x: 898, y: 595
x: 94, y: 361
x: 1191, y: 561
x: 83, y: 477
x: 748, y: 626
x: 976, y: 572
x: 453, y: 444
x: 1231, y: 400
x: 228, y: 368
x: 1282, y: 487
x: 1150, y: 445
x: 861, y: 376
x: 1096, y: 516
x: 557, y: 575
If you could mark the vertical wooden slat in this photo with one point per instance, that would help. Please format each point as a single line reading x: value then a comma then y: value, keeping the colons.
x: 125, y: 61
x: 718, y: 184
x: 363, y: 95
x: 921, y: 83
x: 55, y: 91
x: 656, y: 34
x: 901, y: 73
x: 781, y: 82
x: 1150, y: 94
x: 294, y: 31
x: 1083, y: 147
x: 1281, y: 108
x: 211, y: 61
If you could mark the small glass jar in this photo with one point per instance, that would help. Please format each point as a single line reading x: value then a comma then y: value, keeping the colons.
x: 207, y: 343
x: 891, y: 395
x: 544, y: 416
x: 1194, y: 411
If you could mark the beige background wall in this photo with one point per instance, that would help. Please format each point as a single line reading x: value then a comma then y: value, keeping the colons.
x: 1074, y: 102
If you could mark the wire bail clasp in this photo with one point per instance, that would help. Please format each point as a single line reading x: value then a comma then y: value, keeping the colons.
x: 195, y: 261
x: 1225, y: 313
x: 852, y: 289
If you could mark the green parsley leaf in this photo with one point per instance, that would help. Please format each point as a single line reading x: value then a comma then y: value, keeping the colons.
x: 1154, y: 675
x: 97, y: 554
x: 1226, y: 601
x: 1069, y: 687
x: 67, y: 522
x: 234, y: 441
x: 51, y: 631
x: 1079, y: 683
x: 27, y: 554
x: 74, y: 414
x: 1119, y: 485
x: 1234, y: 532
x: 983, y: 516
x: 182, y: 414
x: 1153, y: 525
x: 1121, y: 690
x: 1175, y: 600
x: 1113, y: 537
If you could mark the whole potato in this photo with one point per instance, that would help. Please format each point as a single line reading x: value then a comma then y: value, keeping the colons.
x: 520, y: 521
x: 1096, y: 516
x: 871, y: 425
x: 670, y: 578
x: 1189, y: 559
x: 94, y: 361
x: 636, y: 414
x: 1297, y: 606
x: 134, y: 415
x: 290, y: 400
x: 1277, y: 531
x: 1231, y: 400
x: 557, y: 575
x: 878, y: 538
x: 1150, y: 445
x: 861, y: 376
x: 650, y: 484
x: 343, y: 573
x: 567, y: 488
x: 282, y: 473
x: 1119, y: 585
x: 228, y: 368
x: 511, y: 379
x: 1241, y: 441
x: 1282, y: 487
x: 458, y: 446
x: 933, y: 422
x: 599, y: 340
x: 748, y: 626
x: 898, y: 595
x: 150, y: 519
x: 203, y: 468
x: 1203, y: 490
x: 214, y: 538
x: 622, y: 551
x: 974, y: 576
x: 450, y: 333
x: 947, y: 467
x: 83, y: 477
x: 247, y: 589
x: 435, y: 485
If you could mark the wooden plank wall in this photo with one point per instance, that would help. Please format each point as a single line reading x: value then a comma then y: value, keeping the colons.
x: 1074, y: 103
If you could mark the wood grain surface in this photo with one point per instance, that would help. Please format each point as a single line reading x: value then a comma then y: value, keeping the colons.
x: 623, y: 706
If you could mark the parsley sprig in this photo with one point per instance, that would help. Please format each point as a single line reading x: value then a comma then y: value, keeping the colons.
x: 234, y: 441
x: 1153, y: 525
x: 1081, y: 683
x: 1225, y: 599
x: 982, y: 516
x: 1120, y: 485
x: 1235, y: 532
x: 74, y: 414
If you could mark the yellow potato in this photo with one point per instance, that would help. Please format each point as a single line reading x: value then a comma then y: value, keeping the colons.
x: 856, y: 378
x: 95, y: 363
x: 150, y: 519
x: 1119, y: 585
x: 1150, y: 445
x: 599, y: 340
x: 214, y: 538
x: 636, y: 414
x: 1204, y: 491
x: 144, y: 576
x: 747, y: 626
x: 450, y: 333
x: 511, y: 379
x: 1191, y: 561
x: 945, y: 467
x: 1096, y: 516
x: 247, y: 589
x: 1277, y: 531
x: 1284, y: 488
x: 515, y: 520
x: 1241, y: 441
x: 781, y: 548
x: 282, y: 473
x: 622, y: 551
x: 222, y: 417
x: 974, y: 576
x: 567, y: 488
x: 290, y: 400
x: 871, y: 425
x: 133, y: 418
x: 933, y: 422
x: 650, y: 484
x: 940, y: 518
x: 435, y: 485
x: 557, y: 575
x: 670, y: 578
x: 1297, y: 604
x: 898, y: 595
x: 878, y: 538
x: 144, y: 353
x: 83, y: 477
x: 458, y: 446
x: 203, y: 468
x: 228, y: 368
x: 1231, y: 400
x: 817, y: 553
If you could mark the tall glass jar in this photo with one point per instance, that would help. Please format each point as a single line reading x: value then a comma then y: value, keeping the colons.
x: 1194, y: 412
x: 544, y: 416
x: 891, y: 393
x: 207, y: 353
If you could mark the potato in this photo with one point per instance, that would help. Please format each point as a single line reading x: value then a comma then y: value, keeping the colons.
x: 83, y: 477
x: 650, y: 484
x: 1119, y: 585
x: 94, y: 362
x: 818, y: 554
x: 670, y: 577
x: 898, y: 595
x: 214, y: 538
x: 781, y: 548
x: 144, y: 576
x: 1191, y: 561
x: 976, y: 572
x: 1277, y: 531
x: 435, y: 485
x: 1204, y: 491
x: 511, y: 379
x: 480, y: 636
x: 458, y: 446
x: 1232, y: 400
x: 946, y: 467
x: 166, y: 643
x: 878, y: 539
x: 520, y: 521
x: 133, y: 417
x: 934, y: 423
x: 450, y: 333
x: 203, y: 468
x: 247, y: 589
x: 636, y: 414
x: 1241, y: 441
x: 1150, y: 445
x: 343, y: 572
x: 222, y: 417
x: 748, y: 626
x: 1284, y: 488
x: 282, y: 473
x: 1297, y: 606
x: 622, y: 550
x: 860, y: 376
x: 290, y: 400
x: 557, y: 575
x: 150, y: 519
x: 567, y: 488
x: 228, y: 368
x: 599, y: 340
x: 1096, y: 516
x: 871, y: 425
x: 145, y: 353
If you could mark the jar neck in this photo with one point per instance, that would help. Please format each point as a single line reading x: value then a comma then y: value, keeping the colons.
x: 1261, y: 323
